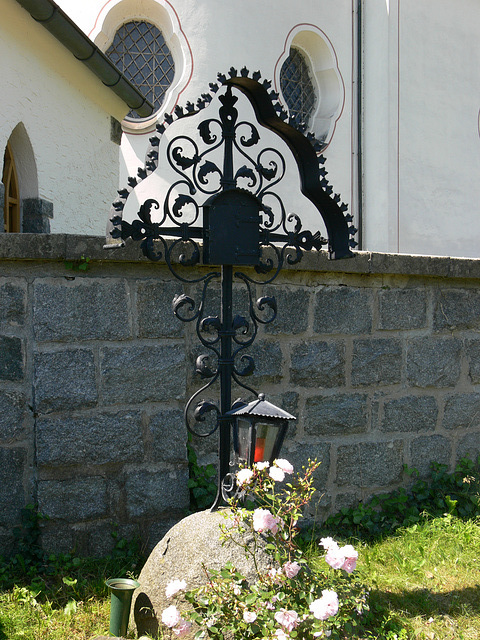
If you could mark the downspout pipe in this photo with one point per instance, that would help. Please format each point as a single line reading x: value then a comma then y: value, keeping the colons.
x: 359, y: 123
x: 49, y: 14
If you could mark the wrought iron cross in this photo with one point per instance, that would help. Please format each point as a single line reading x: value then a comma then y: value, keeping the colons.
x: 246, y: 226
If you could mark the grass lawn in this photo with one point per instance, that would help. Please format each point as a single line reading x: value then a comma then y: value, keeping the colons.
x: 428, y: 577
x: 425, y: 578
x: 65, y: 599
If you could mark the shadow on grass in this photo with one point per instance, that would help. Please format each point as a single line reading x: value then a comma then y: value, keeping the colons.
x: 425, y: 602
x: 2, y: 633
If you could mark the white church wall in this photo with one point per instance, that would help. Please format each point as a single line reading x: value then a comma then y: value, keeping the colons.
x: 64, y: 113
x: 420, y: 147
x: 421, y: 142
x: 210, y: 36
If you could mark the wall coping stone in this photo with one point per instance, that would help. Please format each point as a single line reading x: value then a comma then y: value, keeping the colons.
x: 58, y: 247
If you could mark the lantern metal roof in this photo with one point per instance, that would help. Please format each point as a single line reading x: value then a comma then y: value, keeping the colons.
x: 261, y: 407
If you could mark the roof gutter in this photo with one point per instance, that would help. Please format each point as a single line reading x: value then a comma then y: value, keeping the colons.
x: 49, y: 14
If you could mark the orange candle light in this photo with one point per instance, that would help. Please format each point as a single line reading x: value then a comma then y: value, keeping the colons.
x: 259, y: 450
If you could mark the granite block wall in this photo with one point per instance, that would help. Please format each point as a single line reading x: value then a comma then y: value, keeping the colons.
x: 379, y: 357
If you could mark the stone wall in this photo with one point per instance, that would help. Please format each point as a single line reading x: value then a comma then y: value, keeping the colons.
x: 378, y: 357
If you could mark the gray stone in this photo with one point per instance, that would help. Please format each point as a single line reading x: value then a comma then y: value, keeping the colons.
x: 159, y: 528
x: 462, y: 411
x: 299, y: 457
x: 191, y: 545
x: 370, y: 464
x: 289, y: 402
x: 59, y: 538
x: 376, y: 361
x: 101, y: 538
x: 7, y: 541
x: 12, y: 360
x: 168, y: 436
x: 318, y: 364
x: 343, y: 310
x: 340, y: 414
x: 410, y: 413
x: 101, y: 438
x: 318, y: 509
x: 402, y: 309
x: 456, y: 309
x: 73, y: 500
x: 268, y: 359
x: 64, y: 380
x: 12, y: 304
x: 12, y: 497
x: 95, y: 539
x: 36, y: 215
x: 41, y: 246
x: 135, y: 374
x: 469, y: 447
x: 82, y: 309
x: 427, y: 449
x: 12, y: 414
x: 154, y: 309
x: 433, y: 361
x: 347, y: 501
x: 150, y: 493
x: 116, y: 131
x: 292, y: 310
x: 472, y: 349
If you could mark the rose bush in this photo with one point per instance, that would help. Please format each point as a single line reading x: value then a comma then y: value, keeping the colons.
x: 291, y: 599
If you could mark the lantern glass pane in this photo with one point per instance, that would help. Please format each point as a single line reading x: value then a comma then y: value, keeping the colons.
x: 244, y: 440
x: 265, y: 441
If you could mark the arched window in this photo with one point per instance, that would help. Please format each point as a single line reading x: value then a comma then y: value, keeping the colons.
x: 11, y: 211
x: 297, y: 86
x: 140, y: 52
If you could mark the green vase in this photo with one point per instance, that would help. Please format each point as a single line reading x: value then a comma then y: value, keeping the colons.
x: 121, y: 592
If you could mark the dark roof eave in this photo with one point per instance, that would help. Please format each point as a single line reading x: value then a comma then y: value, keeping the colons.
x: 49, y: 14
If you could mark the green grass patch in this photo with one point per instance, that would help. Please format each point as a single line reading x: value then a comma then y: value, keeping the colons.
x: 59, y: 596
x: 427, y: 577
x: 419, y: 554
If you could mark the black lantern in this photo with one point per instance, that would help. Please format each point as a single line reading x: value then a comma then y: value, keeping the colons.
x: 259, y: 430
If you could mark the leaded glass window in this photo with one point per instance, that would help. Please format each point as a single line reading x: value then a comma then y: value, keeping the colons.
x: 140, y: 52
x: 297, y: 86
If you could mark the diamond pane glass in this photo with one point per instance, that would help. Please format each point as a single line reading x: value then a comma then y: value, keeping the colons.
x: 297, y: 86
x: 140, y: 52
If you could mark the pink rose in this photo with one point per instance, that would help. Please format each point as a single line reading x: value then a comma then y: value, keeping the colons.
x: 275, y: 575
x: 328, y: 543
x: 281, y: 635
x: 284, y: 465
x: 174, y: 586
x: 182, y: 628
x: 291, y: 569
x: 171, y: 616
x: 335, y: 558
x: 249, y: 616
x: 350, y: 558
x: 244, y: 476
x: 263, y: 520
x: 262, y: 465
x: 288, y: 619
x: 326, y: 606
x: 340, y: 557
x: 276, y: 474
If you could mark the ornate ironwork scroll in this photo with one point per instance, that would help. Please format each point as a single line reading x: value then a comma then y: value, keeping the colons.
x: 229, y: 213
